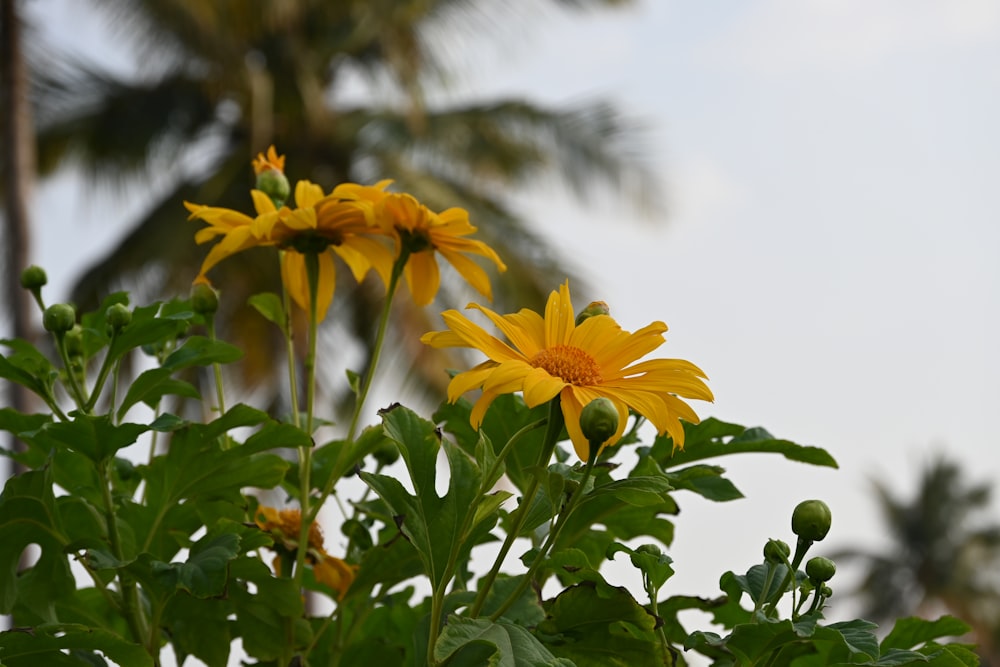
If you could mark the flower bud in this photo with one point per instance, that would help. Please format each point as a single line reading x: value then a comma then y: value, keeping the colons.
x: 599, y: 421
x: 820, y: 569
x: 74, y: 341
x: 386, y: 453
x: 59, y: 318
x: 595, y: 308
x: 204, y: 299
x: 118, y: 316
x: 776, y: 551
x: 275, y: 185
x: 826, y: 591
x: 34, y: 278
x: 811, y: 520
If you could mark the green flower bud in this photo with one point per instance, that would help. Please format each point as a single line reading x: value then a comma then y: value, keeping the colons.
x: 595, y: 308
x: 776, y: 551
x: 118, y: 316
x: 204, y: 299
x: 811, y: 520
x: 820, y: 569
x: 825, y: 591
x: 34, y: 278
x: 599, y: 421
x: 74, y: 341
x: 275, y: 185
x: 386, y: 454
x: 59, y: 318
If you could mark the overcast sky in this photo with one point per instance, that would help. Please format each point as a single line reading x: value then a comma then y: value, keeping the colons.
x: 829, y: 252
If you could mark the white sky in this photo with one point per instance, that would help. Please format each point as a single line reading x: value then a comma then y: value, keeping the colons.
x: 830, y: 252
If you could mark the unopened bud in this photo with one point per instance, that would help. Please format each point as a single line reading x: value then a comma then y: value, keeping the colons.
x: 59, y: 318
x: 204, y: 299
x: 776, y: 551
x: 74, y: 341
x: 820, y: 569
x: 275, y: 185
x: 118, y: 316
x: 811, y: 520
x: 599, y: 421
x: 595, y: 308
x: 34, y: 278
x: 386, y: 453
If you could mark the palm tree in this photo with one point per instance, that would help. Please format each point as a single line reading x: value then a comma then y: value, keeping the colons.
x: 222, y: 80
x: 943, y: 555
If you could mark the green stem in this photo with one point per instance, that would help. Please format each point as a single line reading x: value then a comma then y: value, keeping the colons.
x: 553, y: 535
x: 78, y: 394
x: 293, y: 388
x: 366, y: 383
x: 220, y: 392
x: 102, y: 376
x: 307, y: 514
x: 555, y: 424
x: 397, y: 272
x: 129, y: 594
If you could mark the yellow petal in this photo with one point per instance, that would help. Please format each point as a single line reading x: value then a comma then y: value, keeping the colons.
x: 422, y: 277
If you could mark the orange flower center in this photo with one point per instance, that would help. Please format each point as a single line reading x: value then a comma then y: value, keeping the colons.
x: 570, y: 364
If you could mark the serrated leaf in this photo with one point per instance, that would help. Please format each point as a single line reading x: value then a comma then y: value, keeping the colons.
x: 152, y: 385
x: 94, y: 436
x: 28, y: 515
x: 201, y: 351
x: 436, y: 526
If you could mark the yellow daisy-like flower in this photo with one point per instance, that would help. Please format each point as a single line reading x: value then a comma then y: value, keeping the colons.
x: 422, y: 233
x: 271, y: 160
x: 318, y: 223
x: 553, y: 356
x: 284, y: 526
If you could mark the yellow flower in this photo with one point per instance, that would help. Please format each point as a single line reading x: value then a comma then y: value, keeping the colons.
x: 318, y: 223
x: 272, y: 160
x: 422, y: 233
x: 284, y: 526
x: 553, y: 356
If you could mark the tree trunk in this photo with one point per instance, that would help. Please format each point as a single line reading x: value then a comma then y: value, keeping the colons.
x: 18, y: 173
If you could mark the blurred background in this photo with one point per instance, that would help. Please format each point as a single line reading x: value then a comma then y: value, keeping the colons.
x: 803, y: 190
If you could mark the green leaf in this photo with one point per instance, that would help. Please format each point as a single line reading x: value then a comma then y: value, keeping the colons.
x: 46, y: 644
x: 713, y: 437
x: 29, y: 515
x: 269, y: 305
x: 27, y: 367
x: 600, y: 630
x: 507, y: 415
x: 152, y: 385
x: 507, y: 645
x: 436, y: 526
x: 199, y: 627
x: 706, y: 481
x: 205, y: 572
x: 913, y: 632
x: 263, y: 618
x: 94, y: 436
x: 202, y: 351
x: 858, y: 637
x: 640, y: 491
